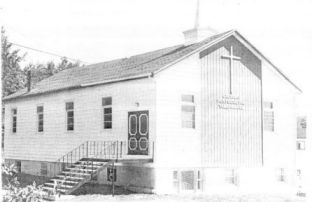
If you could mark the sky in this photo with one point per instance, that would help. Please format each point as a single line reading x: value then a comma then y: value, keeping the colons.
x: 100, y: 30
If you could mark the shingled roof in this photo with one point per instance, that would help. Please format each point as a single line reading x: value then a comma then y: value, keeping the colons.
x: 116, y: 70
x: 120, y: 69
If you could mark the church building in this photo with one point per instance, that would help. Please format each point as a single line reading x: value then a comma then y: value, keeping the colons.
x: 210, y: 114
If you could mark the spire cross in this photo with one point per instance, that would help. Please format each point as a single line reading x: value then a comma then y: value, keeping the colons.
x: 231, y: 57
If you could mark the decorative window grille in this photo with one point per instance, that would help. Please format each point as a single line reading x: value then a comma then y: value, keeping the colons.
x: 268, y: 116
x: 14, y: 120
x: 188, y: 111
x: 40, y: 118
x: 107, y: 112
x: 70, y: 116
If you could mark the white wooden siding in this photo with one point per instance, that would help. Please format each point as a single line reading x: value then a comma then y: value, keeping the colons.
x: 280, y: 145
x: 177, y: 146
x: 55, y: 141
x: 230, y: 137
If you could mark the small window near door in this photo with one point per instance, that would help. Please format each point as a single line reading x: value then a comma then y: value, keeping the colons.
x: 107, y: 112
x: 70, y: 116
x: 188, y: 111
x: 40, y: 118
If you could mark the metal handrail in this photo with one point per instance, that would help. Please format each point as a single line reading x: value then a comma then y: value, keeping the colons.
x: 110, y: 150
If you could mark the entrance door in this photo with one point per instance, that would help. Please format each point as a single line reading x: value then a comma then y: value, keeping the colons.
x: 138, y: 126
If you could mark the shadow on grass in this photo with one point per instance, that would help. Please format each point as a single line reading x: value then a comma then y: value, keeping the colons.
x: 93, y: 188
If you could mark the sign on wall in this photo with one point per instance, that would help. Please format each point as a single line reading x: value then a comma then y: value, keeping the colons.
x: 111, y: 174
x: 230, y: 102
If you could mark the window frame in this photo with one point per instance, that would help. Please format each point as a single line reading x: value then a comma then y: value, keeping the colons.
x: 188, y: 102
x: 38, y: 118
x: 268, y: 107
x: 300, y: 145
x: 106, y: 106
x: 66, y: 116
x: 14, y: 115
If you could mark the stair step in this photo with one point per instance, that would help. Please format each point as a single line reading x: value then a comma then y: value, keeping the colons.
x: 90, y: 163
x: 88, y: 166
x: 63, y: 185
x: 65, y: 181
x: 70, y: 177
x: 76, y: 173
x: 81, y: 169
x: 51, y: 189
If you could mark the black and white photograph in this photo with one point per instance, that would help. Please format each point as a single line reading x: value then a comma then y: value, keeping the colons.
x: 156, y: 100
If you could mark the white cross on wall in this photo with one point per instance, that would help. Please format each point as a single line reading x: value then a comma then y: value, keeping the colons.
x: 231, y: 57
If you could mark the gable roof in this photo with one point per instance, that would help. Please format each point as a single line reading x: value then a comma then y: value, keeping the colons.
x: 138, y: 66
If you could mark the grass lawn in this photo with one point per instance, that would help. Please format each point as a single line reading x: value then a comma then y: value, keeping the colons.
x: 91, y: 192
x: 96, y: 193
x: 179, y: 198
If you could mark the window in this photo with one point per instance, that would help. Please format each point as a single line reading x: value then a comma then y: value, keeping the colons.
x: 232, y: 176
x: 14, y: 120
x: 40, y: 118
x: 188, y: 111
x: 107, y: 112
x: 175, y: 180
x: 70, y: 116
x: 44, y: 169
x: 198, y: 180
x: 302, y: 127
x: 18, y: 165
x: 187, y: 180
x: 268, y: 116
x: 281, y: 175
x: 300, y: 145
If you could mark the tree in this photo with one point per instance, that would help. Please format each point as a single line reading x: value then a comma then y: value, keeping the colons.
x: 42, y: 71
x: 13, y: 77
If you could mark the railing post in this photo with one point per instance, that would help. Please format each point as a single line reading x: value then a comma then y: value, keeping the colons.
x: 117, y: 150
x: 153, y: 151
x: 87, y: 149
x: 113, y: 178
x: 121, y: 149
x: 93, y: 147
x: 91, y: 169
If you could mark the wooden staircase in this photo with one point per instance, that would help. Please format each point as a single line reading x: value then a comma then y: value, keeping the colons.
x: 75, y: 176
x: 83, y: 164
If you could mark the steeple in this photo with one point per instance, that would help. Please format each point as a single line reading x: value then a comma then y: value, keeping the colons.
x: 198, y: 33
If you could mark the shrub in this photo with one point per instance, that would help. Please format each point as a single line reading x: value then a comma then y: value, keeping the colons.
x: 14, y: 192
